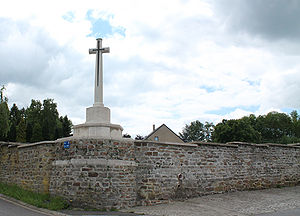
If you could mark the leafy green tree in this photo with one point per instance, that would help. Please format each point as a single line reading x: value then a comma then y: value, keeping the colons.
x: 209, y: 129
x: 66, y: 126
x: 4, y: 116
x: 236, y: 130
x: 33, y: 115
x: 21, y: 131
x: 58, y: 129
x: 126, y: 135
x: 49, y: 117
x: 36, y: 133
x: 197, y: 131
x: 139, y: 137
x: 296, y: 124
x: 274, y: 127
x: 14, y: 117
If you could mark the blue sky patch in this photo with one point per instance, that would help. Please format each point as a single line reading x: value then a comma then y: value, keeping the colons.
x: 289, y: 110
x: 102, y: 28
x: 210, y: 89
x: 69, y: 16
x: 227, y: 110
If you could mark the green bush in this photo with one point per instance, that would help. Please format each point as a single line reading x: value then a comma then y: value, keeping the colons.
x: 33, y: 198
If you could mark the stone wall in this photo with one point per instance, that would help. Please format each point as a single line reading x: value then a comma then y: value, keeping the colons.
x: 178, y: 171
x: 124, y: 173
x: 27, y: 165
x: 97, y: 173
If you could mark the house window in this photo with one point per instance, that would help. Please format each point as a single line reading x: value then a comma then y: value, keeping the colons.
x: 156, y: 138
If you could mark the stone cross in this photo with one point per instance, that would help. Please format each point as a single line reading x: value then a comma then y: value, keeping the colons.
x: 98, y: 95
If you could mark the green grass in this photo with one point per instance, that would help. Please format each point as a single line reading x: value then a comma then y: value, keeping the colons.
x: 33, y: 198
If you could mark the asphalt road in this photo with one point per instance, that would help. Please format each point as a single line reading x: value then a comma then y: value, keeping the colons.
x: 9, y: 208
x: 290, y: 212
x: 270, y: 202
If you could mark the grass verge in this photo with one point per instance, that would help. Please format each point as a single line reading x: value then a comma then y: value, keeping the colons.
x: 33, y: 198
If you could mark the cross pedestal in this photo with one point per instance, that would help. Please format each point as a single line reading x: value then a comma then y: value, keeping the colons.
x: 97, y: 123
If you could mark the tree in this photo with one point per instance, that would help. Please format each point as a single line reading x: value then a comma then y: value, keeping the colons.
x: 236, y: 130
x: 49, y: 117
x: 296, y: 124
x: 33, y: 116
x: 275, y: 127
x: 197, y: 131
x: 46, y: 114
x: 4, y: 116
x: 21, y: 131
x: 66, y: 126
x: 139, y: 137
x: 2, y: 97
x: 37, y: 123
x: 36, y: 133
x: 58, y: 129
x: 14, y: 117
x: 126, y: 135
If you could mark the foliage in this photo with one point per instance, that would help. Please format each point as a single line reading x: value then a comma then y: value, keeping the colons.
x: 236, y: 130
x: 4, y: 116
x: 126, y: 135
x: 66, y: 126
x: 139, y: 137
x: 2, y: 97
x: 43, y: 122
x: 36, y: 199
x: 14, y: 118
x: 36, y: 133
x: 197, y: 131
x: 49, y: 117
x: 38, y: 122
x: 21, y: 131
x: 274, y: 127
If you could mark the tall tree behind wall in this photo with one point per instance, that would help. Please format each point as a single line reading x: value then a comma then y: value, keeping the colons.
x: 33, y: 116
x: 21, y: 130
x: 49, y: 119
x: 43, y: 122
x: 4, y: 116
x: 197, y: 131
x: 274, y: 127
x: 15, y: 118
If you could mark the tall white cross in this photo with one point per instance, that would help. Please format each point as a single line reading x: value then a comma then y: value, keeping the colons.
x: 98, y: 95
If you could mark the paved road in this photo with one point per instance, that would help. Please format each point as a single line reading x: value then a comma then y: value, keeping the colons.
x: 270, y: 202
x: 96, y: 213
x: 291, y: 212
x: 8, y: 208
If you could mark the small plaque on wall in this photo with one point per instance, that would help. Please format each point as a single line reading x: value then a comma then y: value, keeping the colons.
x: 66, y: 144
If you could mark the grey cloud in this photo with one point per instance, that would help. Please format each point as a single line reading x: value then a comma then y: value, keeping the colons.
x: 30, y: 57
x: 24, y: 52
x: 270, y: 19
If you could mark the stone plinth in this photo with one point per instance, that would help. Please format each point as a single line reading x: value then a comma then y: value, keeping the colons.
x: 98, y: 125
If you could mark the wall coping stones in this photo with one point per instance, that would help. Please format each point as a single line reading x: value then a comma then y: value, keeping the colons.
x: 249, y: 144
x: 166, y: 143
x: 216, y: 144
x: 71, y: 138
x: 10, y: 144
x: 282, y: 145
x: 36, y: 144
x: 296, y: 145
x: 93, y: 162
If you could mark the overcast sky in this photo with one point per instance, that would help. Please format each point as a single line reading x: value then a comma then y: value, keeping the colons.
x: 170, y: 62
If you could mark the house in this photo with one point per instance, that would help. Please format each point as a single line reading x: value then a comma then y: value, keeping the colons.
x: 163, y: 134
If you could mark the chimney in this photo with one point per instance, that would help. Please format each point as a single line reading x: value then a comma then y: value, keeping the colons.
x: 154, y: 127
